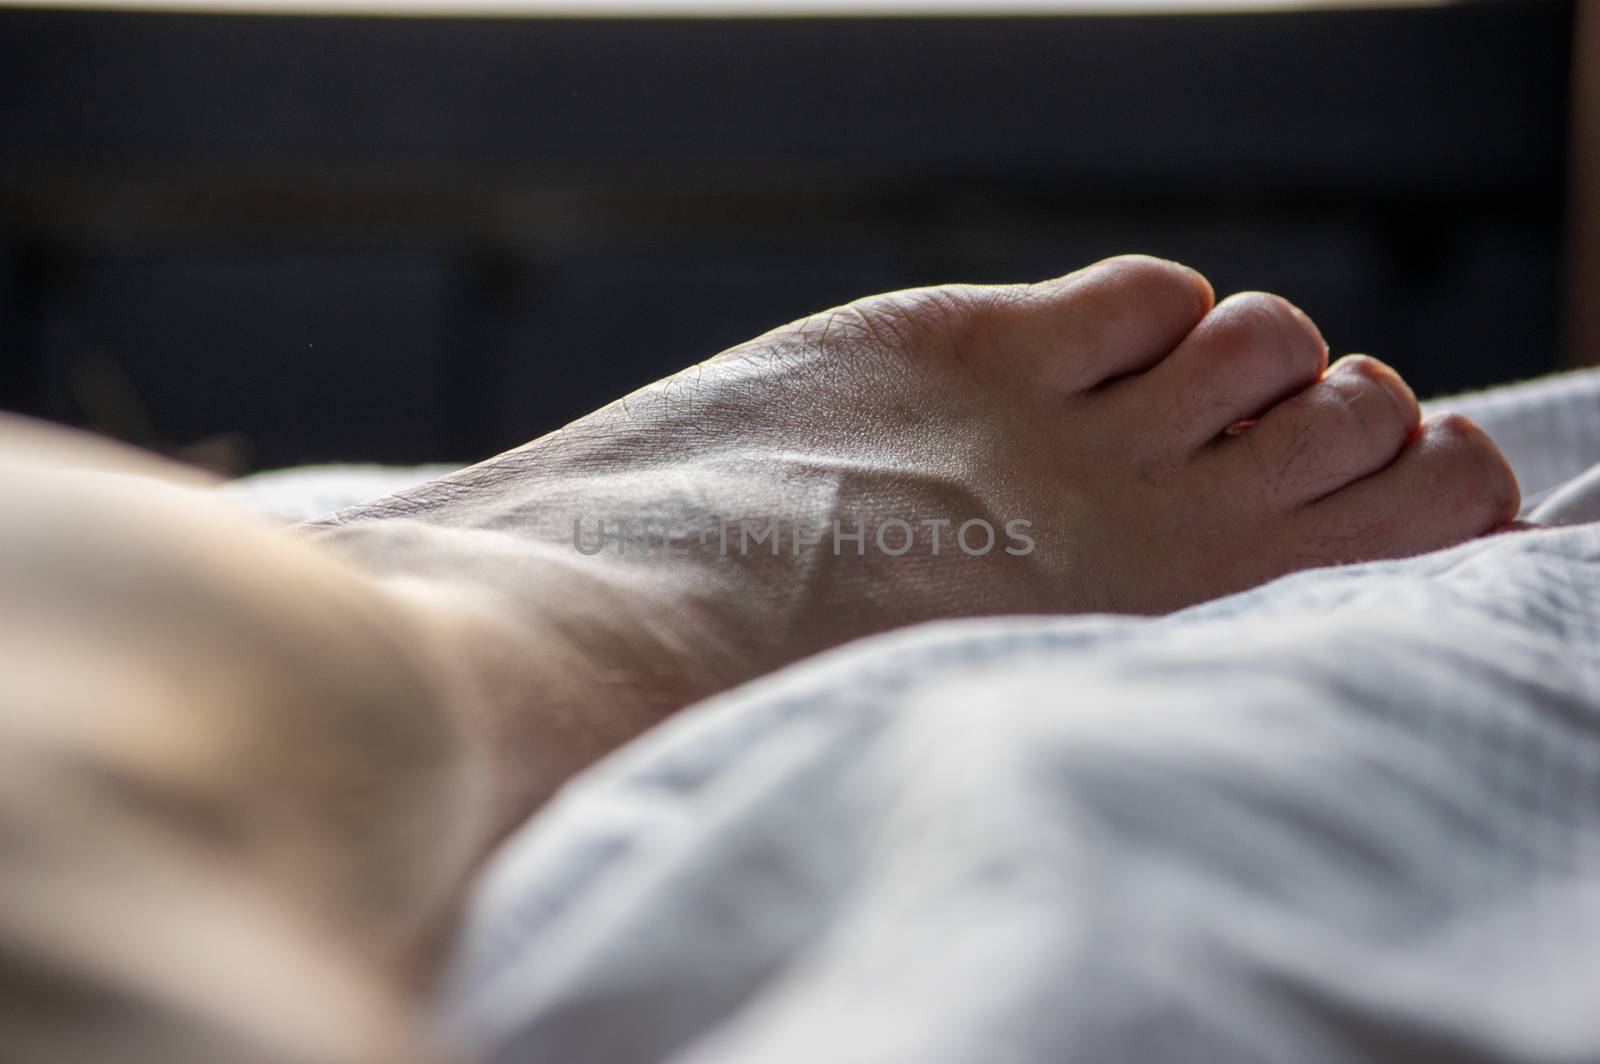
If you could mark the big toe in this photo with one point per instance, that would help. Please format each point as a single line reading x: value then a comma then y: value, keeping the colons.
x: 1065, y: 336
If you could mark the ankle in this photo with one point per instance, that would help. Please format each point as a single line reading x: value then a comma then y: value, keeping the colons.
x: 555, y: 660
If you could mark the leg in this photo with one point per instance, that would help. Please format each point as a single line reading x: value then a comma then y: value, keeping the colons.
x: 234, y: 802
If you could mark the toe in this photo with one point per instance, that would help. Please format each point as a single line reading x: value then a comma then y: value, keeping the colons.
x: 1250, y: 353
x: 1449, y: 485
x: 1068, y: 335
x: 1348, y: 425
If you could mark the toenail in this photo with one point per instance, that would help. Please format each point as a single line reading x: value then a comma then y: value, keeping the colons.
x: 1151, y: 268
x: 1384, y: 377
x: 1502, y: 481
x: 1306, y: 323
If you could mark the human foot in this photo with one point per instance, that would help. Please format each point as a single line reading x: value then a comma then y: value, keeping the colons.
x: 1133, y: 448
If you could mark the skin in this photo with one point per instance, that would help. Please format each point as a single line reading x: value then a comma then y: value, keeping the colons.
x: 281, y: 723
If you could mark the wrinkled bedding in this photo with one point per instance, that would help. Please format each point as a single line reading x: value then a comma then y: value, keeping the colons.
x: 1354, y: 815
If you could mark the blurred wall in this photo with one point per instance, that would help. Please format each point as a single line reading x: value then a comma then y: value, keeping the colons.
x: 276, y: 240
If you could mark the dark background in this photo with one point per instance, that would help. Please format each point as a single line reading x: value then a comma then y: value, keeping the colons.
x: 269, y: 240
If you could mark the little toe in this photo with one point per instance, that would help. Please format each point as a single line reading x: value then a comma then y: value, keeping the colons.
x: 1450, y: 484
x: 1065, y: 336
x: 1350, y: 424
x: 1251, y: 352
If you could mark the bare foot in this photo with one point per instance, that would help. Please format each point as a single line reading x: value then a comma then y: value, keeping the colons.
x: 1107, y: 441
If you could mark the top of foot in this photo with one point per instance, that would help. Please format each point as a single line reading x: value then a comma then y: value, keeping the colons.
x: 1112, y: 440
x: 1163, y: 449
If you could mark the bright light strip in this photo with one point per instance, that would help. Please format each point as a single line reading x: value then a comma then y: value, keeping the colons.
x: 714, y: 8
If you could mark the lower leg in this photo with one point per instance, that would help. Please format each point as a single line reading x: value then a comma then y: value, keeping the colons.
x: 236, y: 802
